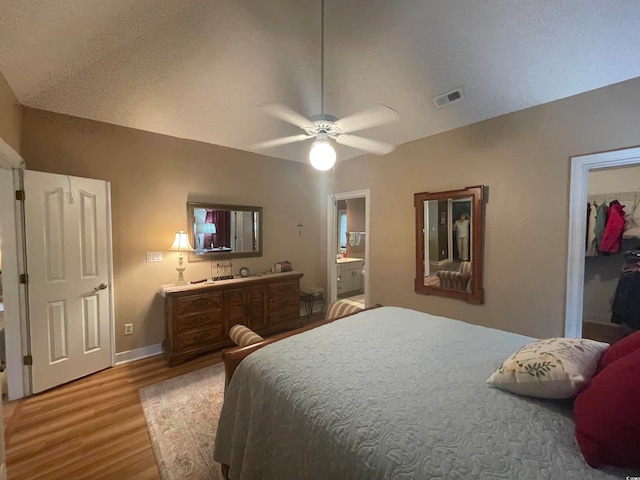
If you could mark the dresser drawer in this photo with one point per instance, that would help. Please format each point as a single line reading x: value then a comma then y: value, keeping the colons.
x: 194, y: 321
x: 284, y: 296
x: 285, y: 315
x: 197, y: 303
x: 199, y: 338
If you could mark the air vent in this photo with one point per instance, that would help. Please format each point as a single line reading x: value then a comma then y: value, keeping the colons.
x: 448, y: 98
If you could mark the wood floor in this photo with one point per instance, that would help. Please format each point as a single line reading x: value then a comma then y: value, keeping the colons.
x: 604, y: 332
x: 90, y: 428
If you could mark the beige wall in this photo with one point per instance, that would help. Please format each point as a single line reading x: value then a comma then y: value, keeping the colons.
x: 524, y: 160
x: 10, y: 115
x: 152, y: 177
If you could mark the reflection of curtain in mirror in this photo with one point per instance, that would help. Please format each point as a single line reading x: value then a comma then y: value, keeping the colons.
x: 222, y: 237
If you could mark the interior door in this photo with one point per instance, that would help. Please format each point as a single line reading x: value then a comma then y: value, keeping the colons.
x: 68, y: 245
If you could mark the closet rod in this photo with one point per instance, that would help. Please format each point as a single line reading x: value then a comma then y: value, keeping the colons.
x: 620, y: 196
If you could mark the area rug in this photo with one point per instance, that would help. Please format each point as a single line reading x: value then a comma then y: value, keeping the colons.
x: 182, y: 417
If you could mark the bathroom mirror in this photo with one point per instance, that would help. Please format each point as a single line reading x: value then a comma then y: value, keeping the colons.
x: 227, y: 231
x: 449, y: 243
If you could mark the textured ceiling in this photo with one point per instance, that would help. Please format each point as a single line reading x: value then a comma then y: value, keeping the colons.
x: 197, y: 69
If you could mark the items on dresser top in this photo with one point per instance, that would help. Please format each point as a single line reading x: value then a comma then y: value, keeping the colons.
x: 198, y: 318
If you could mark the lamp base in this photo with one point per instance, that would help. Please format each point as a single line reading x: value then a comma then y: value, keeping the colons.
x: 180, y: 269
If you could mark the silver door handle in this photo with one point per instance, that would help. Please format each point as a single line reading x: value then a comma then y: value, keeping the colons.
x: 102, y: 286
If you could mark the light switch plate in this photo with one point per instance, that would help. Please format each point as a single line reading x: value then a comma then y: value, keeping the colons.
x: 154, y: 256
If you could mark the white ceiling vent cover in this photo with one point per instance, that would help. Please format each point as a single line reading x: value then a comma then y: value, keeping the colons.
x: 440, y: 101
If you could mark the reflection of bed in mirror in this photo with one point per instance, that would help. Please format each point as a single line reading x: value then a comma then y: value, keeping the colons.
x: 449, y: 243
x: 224, y: 230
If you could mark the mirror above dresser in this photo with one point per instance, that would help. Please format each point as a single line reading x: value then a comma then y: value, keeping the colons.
x: 224, y: 231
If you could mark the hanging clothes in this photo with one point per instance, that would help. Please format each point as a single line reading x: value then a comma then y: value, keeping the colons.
x: 626, y: 302
x: 601, y: 223
x: 592, y: 250
x: 614, y: 228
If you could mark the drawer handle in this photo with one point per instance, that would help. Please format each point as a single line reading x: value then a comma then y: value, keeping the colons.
x: 199, y: 320
x: 201, y: 336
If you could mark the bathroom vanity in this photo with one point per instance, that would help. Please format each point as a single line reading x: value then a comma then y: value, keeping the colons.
x: 350, y: 275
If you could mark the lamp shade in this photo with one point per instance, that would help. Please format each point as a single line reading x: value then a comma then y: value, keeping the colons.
x: 209, y: 228
x: 181, y: 242
x: 322, y: 155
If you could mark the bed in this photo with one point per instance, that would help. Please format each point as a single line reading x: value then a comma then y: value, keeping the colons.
x: 391, y: 393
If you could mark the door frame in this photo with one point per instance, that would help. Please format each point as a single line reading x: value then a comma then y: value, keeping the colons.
x: 332, y: 241
x: 12, y: 262
x: 579, y: 185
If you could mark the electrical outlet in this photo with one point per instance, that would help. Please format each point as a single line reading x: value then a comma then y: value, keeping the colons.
x: 154, y: 256
x: 128, y: 328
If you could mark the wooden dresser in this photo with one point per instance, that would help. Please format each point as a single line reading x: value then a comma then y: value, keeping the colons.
x: 198, y: 317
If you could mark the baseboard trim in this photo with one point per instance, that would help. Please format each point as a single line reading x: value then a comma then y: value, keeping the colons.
x: 138, y: 353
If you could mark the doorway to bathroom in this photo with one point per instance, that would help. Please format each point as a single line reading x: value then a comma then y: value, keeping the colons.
x: 348, y: 247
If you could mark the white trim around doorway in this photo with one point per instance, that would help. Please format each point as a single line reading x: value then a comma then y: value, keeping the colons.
x: 579, y: 186
x: 332, y: 244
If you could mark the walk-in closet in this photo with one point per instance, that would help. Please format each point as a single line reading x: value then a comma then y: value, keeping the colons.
x: 612, y: 253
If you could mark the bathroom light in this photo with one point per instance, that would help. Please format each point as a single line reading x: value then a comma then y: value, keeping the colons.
x: 180, y: 244
x: 322, y: 155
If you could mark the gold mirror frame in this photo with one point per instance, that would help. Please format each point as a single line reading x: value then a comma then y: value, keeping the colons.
x: 256, y: 251
x: 470, y: 289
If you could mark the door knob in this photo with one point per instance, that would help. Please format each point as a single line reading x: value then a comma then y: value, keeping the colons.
x: 102, y: 286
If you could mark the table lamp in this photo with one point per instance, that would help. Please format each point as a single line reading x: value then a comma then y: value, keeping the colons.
x: 180, y: 244
x: 209, y: 228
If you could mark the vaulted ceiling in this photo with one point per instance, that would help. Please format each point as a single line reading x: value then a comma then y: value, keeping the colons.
x: 196, y: 69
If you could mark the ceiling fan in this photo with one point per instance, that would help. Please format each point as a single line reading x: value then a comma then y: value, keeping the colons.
x: 325, y: 127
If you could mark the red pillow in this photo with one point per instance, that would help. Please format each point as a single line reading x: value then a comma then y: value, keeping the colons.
x: 626, y: 345
x: 607, y: 415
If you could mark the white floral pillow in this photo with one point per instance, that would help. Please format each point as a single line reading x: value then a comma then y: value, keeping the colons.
x: 550, y: 368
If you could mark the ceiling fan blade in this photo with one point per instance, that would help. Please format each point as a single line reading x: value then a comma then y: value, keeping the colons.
x: 380, y: 115
x: 276, y: 142
x: 365, y: 144
x: 286, y: 114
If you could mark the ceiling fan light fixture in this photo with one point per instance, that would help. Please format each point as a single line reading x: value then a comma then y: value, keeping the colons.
x: 322, y: 154
x: 325, y: 127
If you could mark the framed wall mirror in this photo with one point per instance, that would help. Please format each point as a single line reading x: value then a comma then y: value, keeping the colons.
x: 228, y: 231
x: 449, y: 243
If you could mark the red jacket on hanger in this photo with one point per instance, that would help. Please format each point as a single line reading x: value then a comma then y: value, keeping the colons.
x: 614, y: 228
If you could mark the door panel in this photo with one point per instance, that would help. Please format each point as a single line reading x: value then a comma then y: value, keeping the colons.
x: 89, y: 234
x: 57, y: 331
x: 67, y: 232
x: 54, y: 234
x: 91, y: 322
